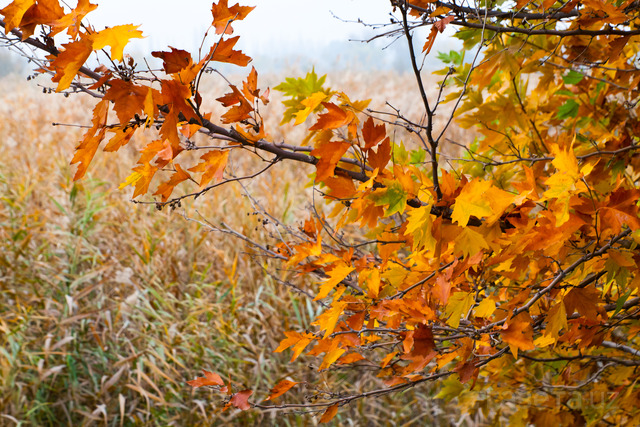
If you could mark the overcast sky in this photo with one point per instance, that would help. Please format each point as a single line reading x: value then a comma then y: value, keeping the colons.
x: 275, y: 29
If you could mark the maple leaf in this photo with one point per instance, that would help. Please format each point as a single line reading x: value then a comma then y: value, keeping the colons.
x: 68, y: 62
x: 14, y: 12
x: 518, y: 333
x: 334, y: 118
x: 174, y: 61
x: 329, y: 413
x: 165, y: 189
x: 212, y: 166
x: 329, y: 153
x: 372, y: 134
x: 556, y: 320
x: 480, y: 198
x: 238, y: 112
x: 223, y: 52
x: 209, y: 379
x: 419, y: 225
x: 297, y: 340
x: 310, y: 104
x: 337, y: 274
x: 239, y: 400
x: 584, y: 301
x: 327, y: 321
x: 117, y: 38
x: 223, y: 15
x: 458, y: 307
x: 127, y: 97
x: 330, y: 358
x: 44, y: 12
x: 72, y: 21
x: 92, y: 139
x: 281, y: 388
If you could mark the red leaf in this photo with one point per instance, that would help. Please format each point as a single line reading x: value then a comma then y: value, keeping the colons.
x: 241, y: 400
x: 209, y: 379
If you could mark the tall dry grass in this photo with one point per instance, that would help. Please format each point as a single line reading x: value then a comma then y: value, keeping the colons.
x: 107, y: 308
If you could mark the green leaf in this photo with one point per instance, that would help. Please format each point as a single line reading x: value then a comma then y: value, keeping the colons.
x: 393, y: 195
x: 299, y: 89
x: 572, y: 77
x: 568, y: 109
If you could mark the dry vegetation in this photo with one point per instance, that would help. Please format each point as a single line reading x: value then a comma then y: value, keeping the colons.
x: 107, y: 308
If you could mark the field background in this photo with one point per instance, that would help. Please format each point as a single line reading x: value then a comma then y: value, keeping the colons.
x: 107, y: 308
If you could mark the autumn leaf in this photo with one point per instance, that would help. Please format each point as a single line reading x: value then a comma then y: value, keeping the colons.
x: 310, y: 104
x: 14, y: 12
x: 68, y: 62
x: 281, y: 388
x: 223, y: 52
x: 329, y: 413
x: 329, y: 153
x: 212, y: 166
x: 480, y: 198
x: 117, y: 38
x: 334, y: 118
x: 240, y: 400
x: 72, y: 21
x: 44, y: 12
x: 165, y: 189
x: 458, y: 307
x: 174, y: 61
x: 337, y: 274
x: 296, y: 340
x: 91, y: 140
x: 518, y: 333
x: 209, y: 379
x: 223, y: 15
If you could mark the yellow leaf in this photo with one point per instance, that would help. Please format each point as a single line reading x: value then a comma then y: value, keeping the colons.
x: 419, y: 225
x: 117, y: 38
x: 310, y: 104
x: 556, y: 320
x: 486, y: 308
x: 458, y: 306
x: 212, y: 166
x: 331, y: 357
x: 480, y: 198
x: 327, y: 321
x: 470, y: 242
x: 69, y: 61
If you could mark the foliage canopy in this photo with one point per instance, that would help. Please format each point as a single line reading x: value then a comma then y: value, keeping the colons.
x: 511, y: 274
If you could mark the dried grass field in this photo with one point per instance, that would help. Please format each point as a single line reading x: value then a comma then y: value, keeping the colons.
x: 107, y: 307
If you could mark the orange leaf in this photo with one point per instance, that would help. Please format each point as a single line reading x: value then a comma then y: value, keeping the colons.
x: 330, y: 153
x: 212, y: 166
x: 14, y: 12
x: 73, y: 21
x: 372, y: 134
x: 209, y: 379
x: 174, y: 61
x: 223, y: 52
x: 44, y: 12
x: 329, y: 413
x: 223, y: 14
x: 166, y: 188
x: 296, y: 339
x: 92, y: 138
x: 281, y: 388
x: 518, y: 333
x: 334, y: 118
x: 128, y: 98
x: 68, y: 62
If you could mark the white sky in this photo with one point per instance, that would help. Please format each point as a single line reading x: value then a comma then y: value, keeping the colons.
x: 275, y: 29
